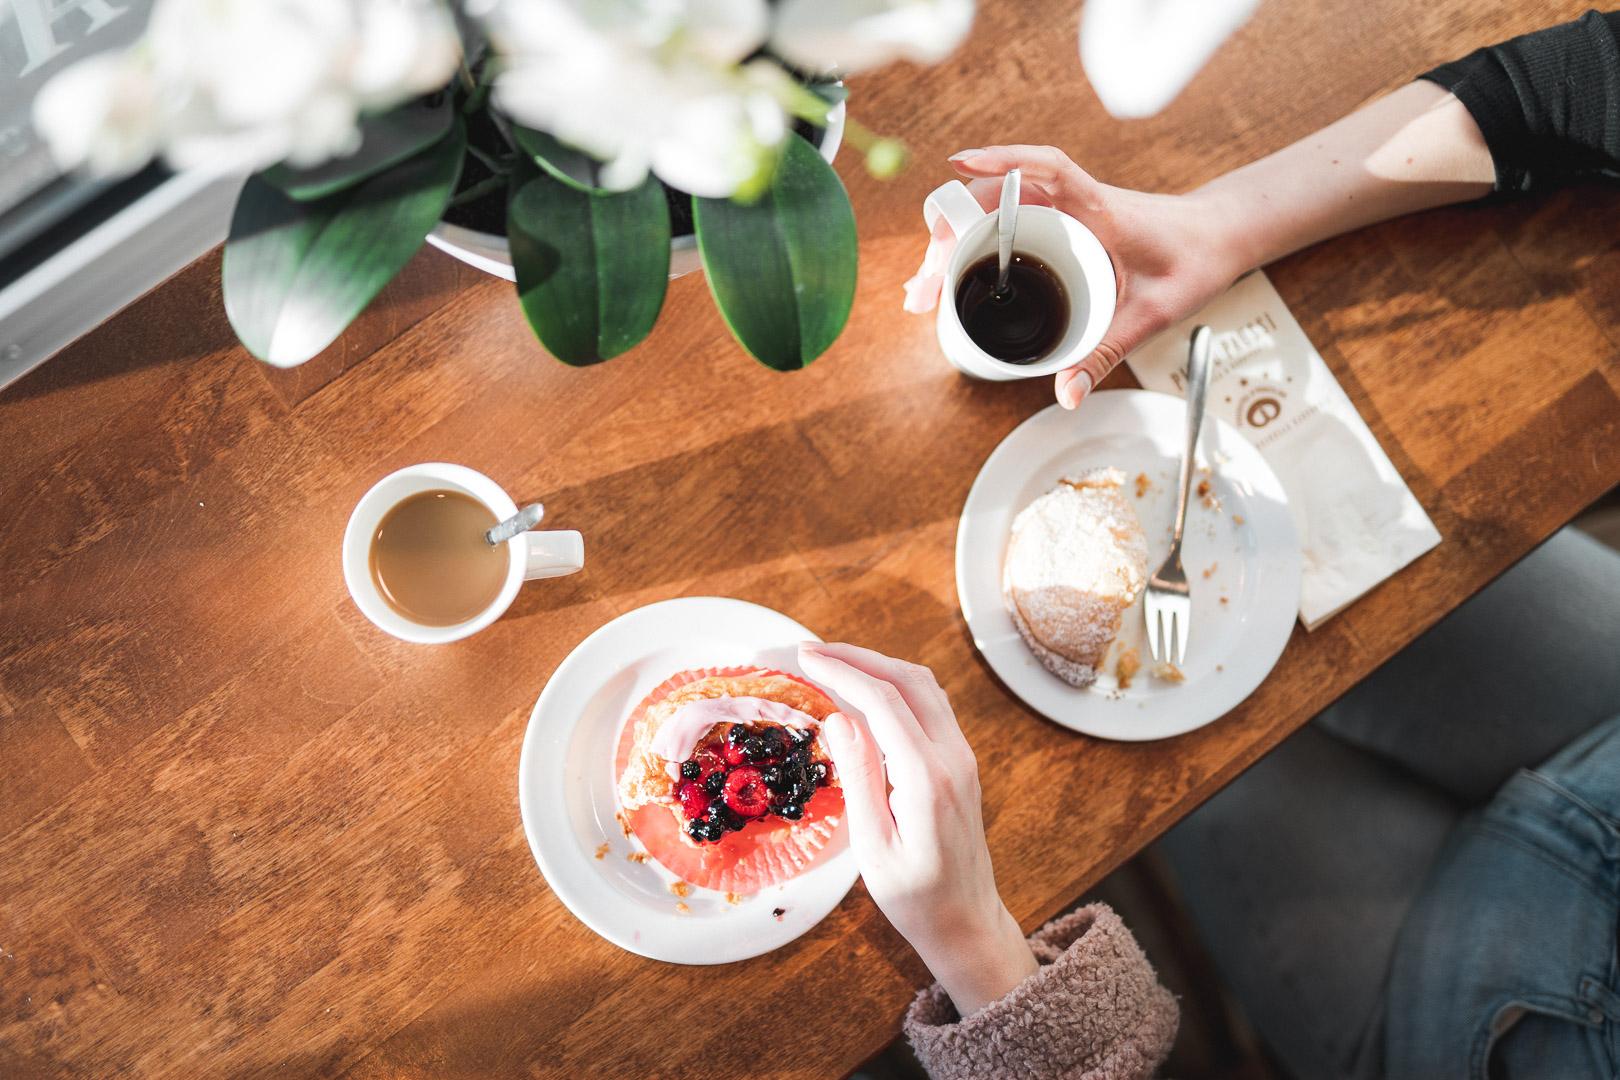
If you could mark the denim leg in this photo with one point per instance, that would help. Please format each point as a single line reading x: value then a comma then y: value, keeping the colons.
x: 1298, y: 877
x: 1503, y: 682
x: 1507, y: 966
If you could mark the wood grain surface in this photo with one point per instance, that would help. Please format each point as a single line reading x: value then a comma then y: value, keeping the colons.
x: 244, y: 833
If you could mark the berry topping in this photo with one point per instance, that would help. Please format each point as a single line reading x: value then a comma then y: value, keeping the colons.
x: 792, y: 811
x: 774, y: 778
x: 704, y: 831
x: 746, y: 792
x: 767, y: 746
x: 818, y: 772
x: 691, y: 769
x: 725, y: 816
x: 715, y: 782
x: 694, y: 801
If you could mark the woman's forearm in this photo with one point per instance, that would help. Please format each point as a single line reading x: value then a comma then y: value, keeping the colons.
x: 1411, y: 150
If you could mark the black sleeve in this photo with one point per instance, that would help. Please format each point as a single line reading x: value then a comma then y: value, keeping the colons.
x: 1547, y: 103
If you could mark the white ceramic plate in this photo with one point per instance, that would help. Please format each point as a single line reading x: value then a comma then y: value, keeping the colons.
x: 1242, y: 560
x: 566, y: 787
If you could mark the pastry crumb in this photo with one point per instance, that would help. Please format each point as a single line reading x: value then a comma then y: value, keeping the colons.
x: 1168, y: 672
x: 1142, y: 484
x: 1210, y: 569
x: 1203, y: 488
x: 1224, y: 600
x: 1220, y: 667
x: 624, y: 824
x: 602, y: 849
x: 1237, y: 519
x: 1126, y: 667
x: 680, y: 888
x: 682, y: 909
x: 637, y: 856
x: 733, y: 898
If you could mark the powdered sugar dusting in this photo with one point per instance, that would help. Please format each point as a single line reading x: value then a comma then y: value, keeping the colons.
x: 1076, y: 560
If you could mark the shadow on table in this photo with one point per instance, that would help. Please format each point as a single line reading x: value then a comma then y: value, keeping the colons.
x: 873, y: 466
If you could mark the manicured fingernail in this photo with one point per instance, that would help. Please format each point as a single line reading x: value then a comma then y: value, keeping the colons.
x: 1076, y: 390
x: 963, y: 155
x: 810, y: 648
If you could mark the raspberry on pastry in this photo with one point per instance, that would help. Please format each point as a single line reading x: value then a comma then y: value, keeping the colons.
x: 724, y: 780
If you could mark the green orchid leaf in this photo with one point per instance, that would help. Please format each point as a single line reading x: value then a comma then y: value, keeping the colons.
x: 573, y: 167
x: 297, y: 273
x: 592, y: 269
x: 385, y: 140
x: 782, y: 269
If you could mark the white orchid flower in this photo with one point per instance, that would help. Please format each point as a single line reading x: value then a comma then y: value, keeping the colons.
x: 1139, y: 54
x: 846, y: 36
x: 643, y: 85
x: 101, y: 113
x: 243, y: 84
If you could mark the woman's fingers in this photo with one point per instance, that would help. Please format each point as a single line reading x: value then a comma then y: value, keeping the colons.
x: 918, y: 688
x: 866, y: 788
x: 988, y: 191
x: 1068, y: 185
x: 888, y: 717
x: 1132, y: 325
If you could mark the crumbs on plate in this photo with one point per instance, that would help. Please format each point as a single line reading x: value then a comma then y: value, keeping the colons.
x: 1237, y: 519
x: 1142, y: 484
x: 1211, y: 568
x: 602, y: 849
x: 1168, y: 672
x: 637, y: 856
x: 624, y: 824
x: 682, y: 909
x: 733, y: 898
x: 680, y: 888
x: 1126, y: 667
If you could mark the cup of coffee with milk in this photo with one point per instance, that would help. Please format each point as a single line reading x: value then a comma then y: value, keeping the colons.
x: 1049, y: 313
x: 422, y: 560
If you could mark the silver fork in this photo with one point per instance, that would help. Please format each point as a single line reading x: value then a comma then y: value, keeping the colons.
x: 1169, y: 602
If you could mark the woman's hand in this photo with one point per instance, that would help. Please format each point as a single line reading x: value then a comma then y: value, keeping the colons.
x: 911, y: 788
x: 1415, y: 148
x: 1169, y: 256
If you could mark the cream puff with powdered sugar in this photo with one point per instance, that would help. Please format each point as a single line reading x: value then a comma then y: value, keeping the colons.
x: 1076, y: 560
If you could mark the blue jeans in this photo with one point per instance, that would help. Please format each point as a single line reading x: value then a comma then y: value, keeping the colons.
x: 1425, y: 882
x: 1506, y: 964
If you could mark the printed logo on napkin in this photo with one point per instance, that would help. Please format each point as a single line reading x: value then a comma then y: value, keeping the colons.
x: 1358, y: 522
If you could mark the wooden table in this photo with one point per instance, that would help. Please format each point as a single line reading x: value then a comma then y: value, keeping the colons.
x: 241, y: 831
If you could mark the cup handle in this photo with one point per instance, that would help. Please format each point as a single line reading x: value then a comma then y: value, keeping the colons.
x: 955, y: 203
x: 553, y: 554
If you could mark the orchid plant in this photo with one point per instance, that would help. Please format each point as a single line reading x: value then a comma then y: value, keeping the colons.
x: 363, y: 122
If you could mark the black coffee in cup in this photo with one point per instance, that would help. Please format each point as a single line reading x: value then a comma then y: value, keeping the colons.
x: 1020, y: 324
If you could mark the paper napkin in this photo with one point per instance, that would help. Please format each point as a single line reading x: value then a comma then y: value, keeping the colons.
x: 1358, y: 521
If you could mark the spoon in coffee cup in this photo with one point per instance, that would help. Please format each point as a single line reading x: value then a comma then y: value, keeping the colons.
x: 522, y: 521
x: 1007, y: 226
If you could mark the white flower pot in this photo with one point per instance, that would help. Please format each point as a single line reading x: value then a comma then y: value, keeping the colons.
x: 493, y: 255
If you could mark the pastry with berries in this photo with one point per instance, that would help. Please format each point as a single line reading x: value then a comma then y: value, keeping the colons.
x: 723, y: 777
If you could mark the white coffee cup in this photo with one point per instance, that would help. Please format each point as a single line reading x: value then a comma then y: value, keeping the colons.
x: 1067, y: 248
x: 533, y: 554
